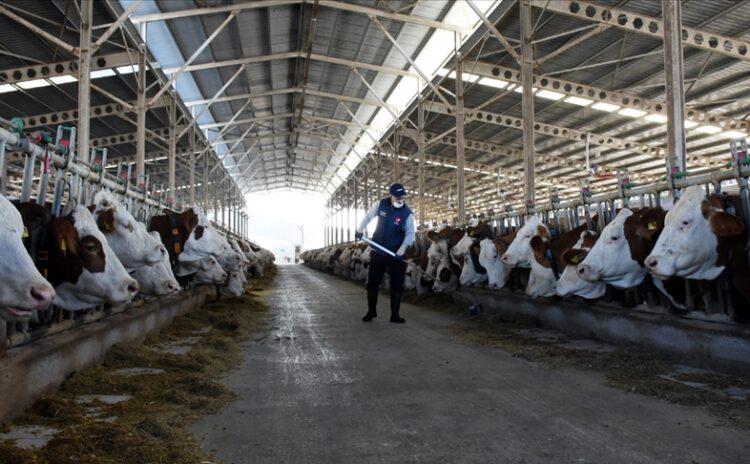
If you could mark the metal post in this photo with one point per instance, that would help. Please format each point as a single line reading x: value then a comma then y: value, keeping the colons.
x: 527, y: 68
x: 356, y: 204
x: 172, y: 155
x: 192, y: 166
x: 205, y: 182
x: 460, y: 146
x: 422, y: 162
x: 140, y: 134
x: 84, y: 77
x: 3, y: 169
x: 396, y: 161
x: 674, y: 75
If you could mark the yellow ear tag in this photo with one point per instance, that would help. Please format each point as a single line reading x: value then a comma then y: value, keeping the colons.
x: 64, y: 247
x: 575, y: 259
x: 25, y: 233
x: 652, y: 225
x: 176, y: 247
x: 175, y: 231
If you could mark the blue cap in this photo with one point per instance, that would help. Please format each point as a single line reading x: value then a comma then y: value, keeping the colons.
x: 397, y: 190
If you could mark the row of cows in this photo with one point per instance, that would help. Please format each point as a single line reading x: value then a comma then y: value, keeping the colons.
x: 100, y: 254
x: 692, y: 257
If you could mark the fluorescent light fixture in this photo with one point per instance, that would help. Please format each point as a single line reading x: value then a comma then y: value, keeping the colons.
x: 608, y: 107
x: 733, y: 134
x: 101, y: 73
x: 496, y: 83
x: 550, y: 95
x: 578, y: 101
x: 5, y: 88
x: 63, y: 79
x: 33, y: 84
x: 708, y: 129
x: 127, y: 69
x: 631, y: 113
x: 690, y: 124
x: 661, y: 119
x: 519, y: 89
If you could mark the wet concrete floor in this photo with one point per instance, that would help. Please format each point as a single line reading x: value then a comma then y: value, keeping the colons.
x: 324, y: 387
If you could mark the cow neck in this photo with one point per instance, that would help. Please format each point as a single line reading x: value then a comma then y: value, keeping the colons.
x: 640, y: 246
x: 475, y: 258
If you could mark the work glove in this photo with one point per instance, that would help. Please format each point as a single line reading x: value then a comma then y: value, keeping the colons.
x: 358, y: 235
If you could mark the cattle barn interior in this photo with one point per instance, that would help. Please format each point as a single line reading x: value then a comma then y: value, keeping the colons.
x: 201, y: 199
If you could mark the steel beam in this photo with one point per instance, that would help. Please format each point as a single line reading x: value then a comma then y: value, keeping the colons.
x: 600, y: 94
x: 422, y: 163
x: 460, y: 145
x: 140, y: 133
x: 527, y: 69
x: 84, y: 77
x: 647, y: 25
x: 675, y: 86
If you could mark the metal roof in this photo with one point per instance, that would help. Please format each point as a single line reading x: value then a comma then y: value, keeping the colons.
x: 294, y: 120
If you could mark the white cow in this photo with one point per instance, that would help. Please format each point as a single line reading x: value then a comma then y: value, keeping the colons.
x: 157, y: 279
x: 570, y: 282
x: 689, y: 244
x: 88, y: 246
x: 490, y: 257
x: 128, y: 238
x: 23, y: 288
x: 466, y: 248
x: 519, y: 252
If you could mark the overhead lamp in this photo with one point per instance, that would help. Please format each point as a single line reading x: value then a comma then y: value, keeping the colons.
x: 608, y: 107
x: 631, y: 112
x: 492, y: 82
x: 660, y: 118
x: 33, y: 84
x: 519, y: 89
x: 101, y: 73
x: 690, y: 124
x: 550, y: 95
x: 733, y: 134
x: 5, y: 88
x: 708, y: 129
x: 66, y: 79
x: 578, y: 101
x: 129, y: 69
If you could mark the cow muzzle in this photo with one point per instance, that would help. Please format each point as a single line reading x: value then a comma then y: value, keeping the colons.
x: 41, y: 296
x: 588, y: 272
x: 660, y: 267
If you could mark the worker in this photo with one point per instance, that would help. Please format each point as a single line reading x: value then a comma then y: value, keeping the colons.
x: 394, y: 232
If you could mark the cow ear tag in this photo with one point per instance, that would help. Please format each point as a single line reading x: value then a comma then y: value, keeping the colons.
x: 64, y: 247
x: 575, y: 259
x: 652, y: 225
x: 25, y: 233
x: 175, y: 231
x: 176, y: 247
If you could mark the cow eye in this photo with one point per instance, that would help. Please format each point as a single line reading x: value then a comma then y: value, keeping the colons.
x: 615, y: 237
x: 686, y: 223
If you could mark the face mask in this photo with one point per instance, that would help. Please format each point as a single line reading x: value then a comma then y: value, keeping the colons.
x: 398, y: 204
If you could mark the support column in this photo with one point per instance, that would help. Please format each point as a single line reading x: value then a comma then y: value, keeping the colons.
x: 140, y: 133
x: 460, y: 141
x: 674, y: 75
x: 527, y: 103
x: 356, y: 204
x: 84, y: 78
x: 192, y: 165
x: 172, y: 155
x: 205, y: 182
x: 396, y: 160
x: 422, y: 162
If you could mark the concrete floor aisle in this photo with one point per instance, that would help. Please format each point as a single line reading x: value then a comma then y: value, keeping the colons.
x: 324, y: 387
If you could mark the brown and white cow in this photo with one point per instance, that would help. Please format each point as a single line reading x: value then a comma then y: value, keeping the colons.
x: 23, y: 288
x: 490, y: 257
x: 570, y: 283
x: 467, y: 249
x: 700, y: 240
x: 439, y: 263
x: 79, y: 263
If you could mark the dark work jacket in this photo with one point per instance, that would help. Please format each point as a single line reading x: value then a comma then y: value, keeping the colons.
x: 391, y: 229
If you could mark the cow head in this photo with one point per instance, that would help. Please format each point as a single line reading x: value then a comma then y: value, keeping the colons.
x: 128, y: 238
x: 84, y: 268
x: 570, y: 283
x: 206, y: 270
x: 205, y: 240
x: 23, y: 289
x: 157, y: 279
x: 617, y: 257
x: 490, y: 257
x: 519, y: 252
x: 690, y: 244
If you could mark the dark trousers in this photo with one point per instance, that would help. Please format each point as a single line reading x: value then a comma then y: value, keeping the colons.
x: 379, y: 264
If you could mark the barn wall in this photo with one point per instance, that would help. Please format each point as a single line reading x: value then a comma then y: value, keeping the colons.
x: 32, y: 370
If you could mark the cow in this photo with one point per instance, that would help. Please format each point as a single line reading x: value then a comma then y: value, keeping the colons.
x: 128, y: 238
x: 618, y: 256
x: 174, y: 230
x: 702, y: 238
x: 519, y: 252
x: 570, y: 283
x: 439, y: 263
x: 206, y: 270
x: 490, y: 257
x: 468, y: 249
x: 157, y: 279
x: 77, y: 259
x: 23, y: 289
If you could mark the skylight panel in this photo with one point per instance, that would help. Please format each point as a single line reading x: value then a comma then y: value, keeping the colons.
x: 608, y: 107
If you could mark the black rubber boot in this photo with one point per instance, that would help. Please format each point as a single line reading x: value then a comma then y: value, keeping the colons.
x: 396, y: 307
x: 372, y: 303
